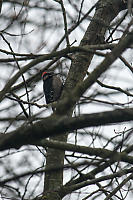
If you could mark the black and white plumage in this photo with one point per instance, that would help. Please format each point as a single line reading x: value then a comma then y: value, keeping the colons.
x: 52, y: 86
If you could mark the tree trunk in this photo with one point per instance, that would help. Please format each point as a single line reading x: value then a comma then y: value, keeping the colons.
x: 106, y: 11
x: 54, y: 179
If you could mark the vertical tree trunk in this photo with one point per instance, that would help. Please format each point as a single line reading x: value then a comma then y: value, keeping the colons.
x: 54, y: 179
x: 106, y: 11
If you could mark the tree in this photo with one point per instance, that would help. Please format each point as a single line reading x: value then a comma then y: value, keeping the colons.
x: 84, y: 149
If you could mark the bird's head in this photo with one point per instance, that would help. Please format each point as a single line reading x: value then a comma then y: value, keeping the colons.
x: 47, y: 74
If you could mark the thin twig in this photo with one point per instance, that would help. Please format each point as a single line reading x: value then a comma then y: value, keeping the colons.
x: 74, y: 26
x: 65, y: 22
x: 21, y: 74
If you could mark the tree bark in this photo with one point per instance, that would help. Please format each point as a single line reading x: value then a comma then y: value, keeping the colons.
x: 54, y: 180
x: 106, y: 11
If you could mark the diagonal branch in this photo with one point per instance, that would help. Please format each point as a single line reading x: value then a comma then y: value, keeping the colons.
x: 92, y: 78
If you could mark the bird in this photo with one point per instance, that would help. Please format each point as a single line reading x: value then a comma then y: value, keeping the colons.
x: 52, y: 86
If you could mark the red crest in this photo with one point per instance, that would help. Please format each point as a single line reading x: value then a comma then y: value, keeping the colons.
x: 44, y: 74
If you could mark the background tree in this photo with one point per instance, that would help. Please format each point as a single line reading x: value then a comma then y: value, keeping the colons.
x: 84, y: 149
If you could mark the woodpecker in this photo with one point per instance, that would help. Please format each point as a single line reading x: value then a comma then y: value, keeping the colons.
x: 52, y: 86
